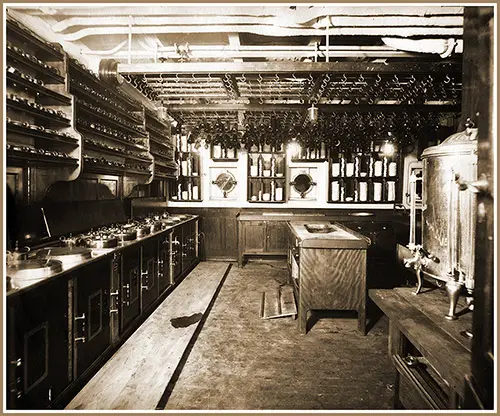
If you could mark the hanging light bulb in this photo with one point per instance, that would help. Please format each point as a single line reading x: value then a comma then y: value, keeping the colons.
x: 312, y: 113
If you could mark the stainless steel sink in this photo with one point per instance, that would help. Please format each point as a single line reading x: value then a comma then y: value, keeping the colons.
x: 319, y: 228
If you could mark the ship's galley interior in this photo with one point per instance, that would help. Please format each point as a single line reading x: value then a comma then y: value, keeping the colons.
x: 249, y: 207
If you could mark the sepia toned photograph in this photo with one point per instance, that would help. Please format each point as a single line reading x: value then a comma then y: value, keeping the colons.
x: 249, y: 207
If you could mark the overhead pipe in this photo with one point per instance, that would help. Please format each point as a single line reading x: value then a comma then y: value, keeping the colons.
x: 442, y: 47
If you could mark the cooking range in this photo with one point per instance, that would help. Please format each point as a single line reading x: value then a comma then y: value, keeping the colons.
x: 25, y: 266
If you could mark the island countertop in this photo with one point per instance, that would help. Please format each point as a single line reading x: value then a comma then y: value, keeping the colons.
x: 338, y: 236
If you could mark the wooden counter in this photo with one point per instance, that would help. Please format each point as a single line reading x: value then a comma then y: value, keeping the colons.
x: 328, y: 270
x: 418, y: 329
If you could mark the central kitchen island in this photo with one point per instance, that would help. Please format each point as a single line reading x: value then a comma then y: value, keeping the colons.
x: 327, y: 264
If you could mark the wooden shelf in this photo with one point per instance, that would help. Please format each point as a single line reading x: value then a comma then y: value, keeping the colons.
x: 266, y: 202
x: 268, y: 177
x: 225, y: 159
x: 90, y: 130
x: 47, y: 75
x: 43, y: 49
x: 52, y: 119
x: 95, y: 81
x: 116, y: 123
x: 26, y: 158
x: 299, y: 160
x: 80, y: 92
x: 39, y: 134
x: 46, y: 96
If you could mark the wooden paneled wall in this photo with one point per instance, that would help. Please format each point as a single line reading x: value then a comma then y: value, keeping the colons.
x: 220, y: 230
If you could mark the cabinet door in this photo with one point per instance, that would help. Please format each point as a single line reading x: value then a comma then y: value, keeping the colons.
x: 164, y: 264
x: 130, y: 286
x: 91, y: 327
x: 176, y: 253
x: 149, y: 273
x: 253, y: 236
x: 37, y: 350
x: 189, y: 248
x: 276, y: 235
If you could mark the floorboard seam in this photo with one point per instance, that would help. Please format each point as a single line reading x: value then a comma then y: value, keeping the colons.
x: 178, y: 369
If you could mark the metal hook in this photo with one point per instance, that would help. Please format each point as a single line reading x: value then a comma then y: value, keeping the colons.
x: 361, y: 78
x: 378, y: 79
x: 447, y: 79
x: 344, y: 79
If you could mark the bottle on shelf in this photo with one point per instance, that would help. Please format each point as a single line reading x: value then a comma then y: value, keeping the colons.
x: 349, y: 164
x: 190, y: 189
x: 216, y: 151
x: 260, y: 165
x: 273, y: 165
x: 279, y: 193
x: 335, y: 191
x: 267, y: 168
x: 391, y: 191
x: 377, y: 191
x: 189, y: 165
x: 322, y: 153
x: 179, y: 191
x: 196, y: 192
x: 363, y: 191
x: 253, y: 167
x: 273, y: 190
x: 335, y: 165
x: 261, y: 190
x: 280, y: 169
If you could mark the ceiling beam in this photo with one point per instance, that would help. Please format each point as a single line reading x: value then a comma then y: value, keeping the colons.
x: 326, y: 108
x: 215, y: 68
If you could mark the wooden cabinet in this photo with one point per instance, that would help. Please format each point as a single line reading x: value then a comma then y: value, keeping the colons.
x: 164, y: 275
x: 38, y: 353
x: 364, y: 175
x: 176, y: 254
x: 263, y: 234
x: 276, y: 237
x: 187, y: 186
x: 266, y: 177
x: 91, y: 328
x: 149, y: 273
x: 41, y: 138
x: 60, y: 332
x: 189, y: 244
x: 430, y: 355
x: 130, y: 287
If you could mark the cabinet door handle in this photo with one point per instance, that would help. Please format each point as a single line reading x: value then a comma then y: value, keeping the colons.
x: 81, y: 339
x: 126, y: 300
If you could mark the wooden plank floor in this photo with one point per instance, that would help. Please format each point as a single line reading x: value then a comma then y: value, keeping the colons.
x: 243, y: 362
x: 136, y: 375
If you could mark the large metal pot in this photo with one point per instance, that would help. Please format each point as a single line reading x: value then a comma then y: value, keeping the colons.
x: 448, y: 224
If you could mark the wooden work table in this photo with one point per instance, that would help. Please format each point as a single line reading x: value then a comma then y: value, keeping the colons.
x: 431, y: 355
x: 328, y: 270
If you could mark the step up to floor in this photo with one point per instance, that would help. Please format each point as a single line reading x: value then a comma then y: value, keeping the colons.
x: 136, y: 376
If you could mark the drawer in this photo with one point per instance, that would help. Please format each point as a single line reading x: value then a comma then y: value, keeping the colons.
x: 420, y: 387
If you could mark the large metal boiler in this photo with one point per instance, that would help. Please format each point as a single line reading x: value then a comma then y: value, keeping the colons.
x: 446, y: 253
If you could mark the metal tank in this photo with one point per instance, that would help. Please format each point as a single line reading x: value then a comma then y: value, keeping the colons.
x: 448, y: 213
